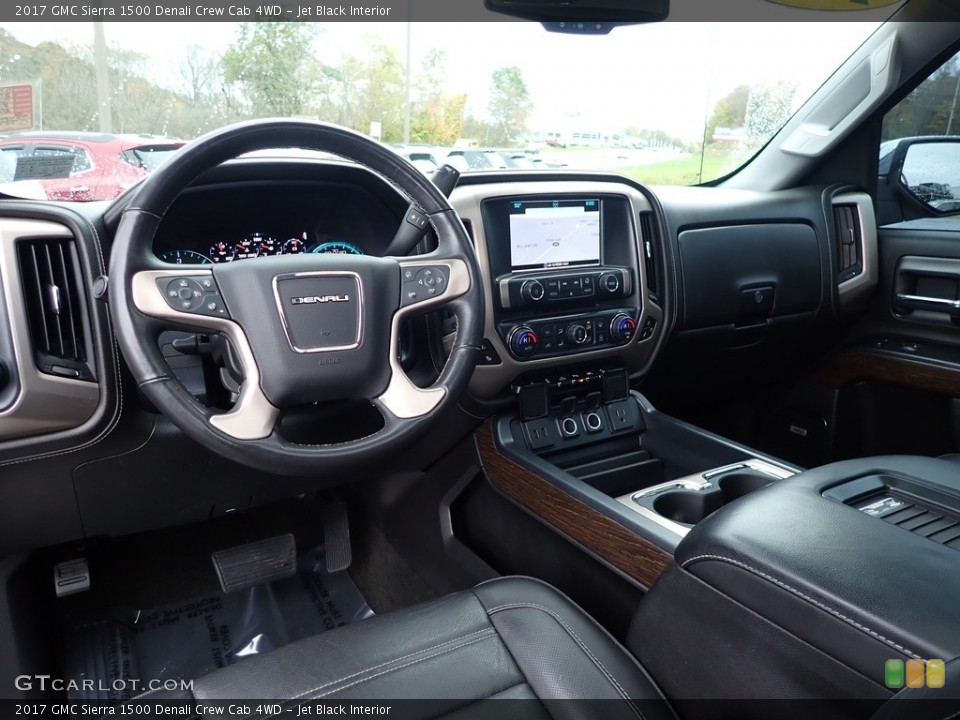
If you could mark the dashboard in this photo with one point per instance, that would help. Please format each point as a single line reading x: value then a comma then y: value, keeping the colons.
x: 245, y: 221
x: 688, y: 267
x: 578, y: 272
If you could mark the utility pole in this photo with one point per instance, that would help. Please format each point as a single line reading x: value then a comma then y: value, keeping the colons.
x: 104, y: 111
x: 406, y: 97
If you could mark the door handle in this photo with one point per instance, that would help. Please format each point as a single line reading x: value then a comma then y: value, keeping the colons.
x: 921, y: 302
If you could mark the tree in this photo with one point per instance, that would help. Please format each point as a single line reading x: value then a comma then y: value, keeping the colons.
x: 510, y: 106
x: 930, y: 109
x: 267, y: 63
x: 207, y: 105
x: 385, y: 81
x: 729, y: 112
x: 437, y: 117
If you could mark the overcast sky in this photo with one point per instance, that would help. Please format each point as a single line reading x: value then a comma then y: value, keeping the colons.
x: 663, y: 76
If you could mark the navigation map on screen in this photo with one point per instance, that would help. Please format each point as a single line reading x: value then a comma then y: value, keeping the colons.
x: 554, y: 233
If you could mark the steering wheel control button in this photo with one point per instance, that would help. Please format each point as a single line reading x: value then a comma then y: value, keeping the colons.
x: 193, y: 295
x: 417, y: 219
x: 423, y: 282
x: 488, y: 355
x: 523, y: 342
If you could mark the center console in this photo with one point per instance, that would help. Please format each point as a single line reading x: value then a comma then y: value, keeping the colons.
x: 832, y: 578
x: 564, y: 280
x: 765, y: 582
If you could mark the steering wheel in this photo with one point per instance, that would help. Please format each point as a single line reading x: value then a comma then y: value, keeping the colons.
x: 304, y: 328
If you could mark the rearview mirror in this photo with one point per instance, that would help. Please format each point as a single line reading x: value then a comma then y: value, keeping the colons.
x: 925, y: 169
x: 583, y: 16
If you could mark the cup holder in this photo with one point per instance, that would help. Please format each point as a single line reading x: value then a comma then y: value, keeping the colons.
x: 737, y: 484
x: 687, y: 506
x: 691, y: 506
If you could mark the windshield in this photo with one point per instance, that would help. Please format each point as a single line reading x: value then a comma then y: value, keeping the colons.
x: 668, y: 103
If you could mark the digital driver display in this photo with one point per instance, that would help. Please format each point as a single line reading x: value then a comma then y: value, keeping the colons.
x: 554, y: 233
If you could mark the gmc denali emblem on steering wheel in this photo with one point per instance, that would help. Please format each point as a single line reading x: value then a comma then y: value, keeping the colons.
x: 311, y: 299
x: 334, y: 323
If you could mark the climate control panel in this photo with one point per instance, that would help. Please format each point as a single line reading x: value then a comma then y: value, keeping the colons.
x: 557, y: 336
x: 597, y: 284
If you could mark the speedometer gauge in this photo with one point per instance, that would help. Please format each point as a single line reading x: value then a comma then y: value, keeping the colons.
x: 184, y: 257
x: 338, y: 247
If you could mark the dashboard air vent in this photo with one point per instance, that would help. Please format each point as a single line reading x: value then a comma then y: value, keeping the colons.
x: 846, y: 220
x: 468, y: 226
x: 649, y: 256
x: 56, y: 308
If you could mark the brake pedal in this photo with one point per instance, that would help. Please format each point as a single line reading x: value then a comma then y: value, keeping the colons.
x: 254, y: 563
x: 336, y: 537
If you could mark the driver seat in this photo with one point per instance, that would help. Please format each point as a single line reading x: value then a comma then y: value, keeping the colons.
x: 508, y: 638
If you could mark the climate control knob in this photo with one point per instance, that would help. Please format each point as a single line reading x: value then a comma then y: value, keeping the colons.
x: 532, y: 290
x: 577, y: 334
x: 623, y: 327
x: 523, y: 341
x: 609, y: 283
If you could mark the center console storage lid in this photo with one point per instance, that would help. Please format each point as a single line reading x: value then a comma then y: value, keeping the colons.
x: 821, y: 555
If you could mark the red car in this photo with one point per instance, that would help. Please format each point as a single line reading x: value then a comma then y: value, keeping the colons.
x: 79, y: 166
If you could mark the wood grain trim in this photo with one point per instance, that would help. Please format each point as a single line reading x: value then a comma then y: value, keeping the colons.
x: 866, y: 365
x: 621, y: 547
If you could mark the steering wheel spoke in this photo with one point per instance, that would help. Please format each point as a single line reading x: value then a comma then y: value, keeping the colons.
x: 426, y: 282
x: 172, y: 295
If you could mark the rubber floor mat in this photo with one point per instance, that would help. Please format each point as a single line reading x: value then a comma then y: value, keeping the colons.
x: 119, y: 657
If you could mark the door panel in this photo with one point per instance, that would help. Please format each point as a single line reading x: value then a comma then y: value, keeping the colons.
x: 894, y: 385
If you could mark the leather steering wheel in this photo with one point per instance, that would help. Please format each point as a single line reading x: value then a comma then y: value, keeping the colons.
x: 304, y: 328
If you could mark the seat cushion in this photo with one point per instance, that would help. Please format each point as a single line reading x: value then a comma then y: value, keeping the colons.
x: 509, y: 638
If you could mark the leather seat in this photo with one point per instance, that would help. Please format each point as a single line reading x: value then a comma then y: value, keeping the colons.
x: 509, y: 638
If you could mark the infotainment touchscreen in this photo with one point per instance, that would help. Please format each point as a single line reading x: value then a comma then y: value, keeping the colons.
x: 554, y: 233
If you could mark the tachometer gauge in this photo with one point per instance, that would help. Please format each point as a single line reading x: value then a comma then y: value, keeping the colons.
x: 248, y: 247
x: 338, y: 247
x: 221, y: 252
x: 184, y: 257
x: 266, y: 245
x: 295, y: 246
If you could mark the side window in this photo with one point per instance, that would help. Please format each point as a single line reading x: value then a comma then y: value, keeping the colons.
x: 919, y: 161
x: 81, y: 161
x: 8, y: 161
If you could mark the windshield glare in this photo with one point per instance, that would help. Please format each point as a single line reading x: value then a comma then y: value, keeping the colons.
x: 669, y: 103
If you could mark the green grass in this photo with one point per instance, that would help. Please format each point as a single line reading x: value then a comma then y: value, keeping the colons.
x: 686, y: 170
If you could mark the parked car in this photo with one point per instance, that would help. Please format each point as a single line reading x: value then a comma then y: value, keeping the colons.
x: 81, y: 166
x: 422, y: 157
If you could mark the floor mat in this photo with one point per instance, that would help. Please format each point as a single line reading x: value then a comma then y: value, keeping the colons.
x: 118, y: 657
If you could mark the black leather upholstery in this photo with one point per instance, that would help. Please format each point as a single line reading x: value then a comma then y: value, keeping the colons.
x: 509, y: 638
x: 859, y: 589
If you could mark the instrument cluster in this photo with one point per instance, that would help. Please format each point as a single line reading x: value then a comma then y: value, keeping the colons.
x: 256, y: 245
